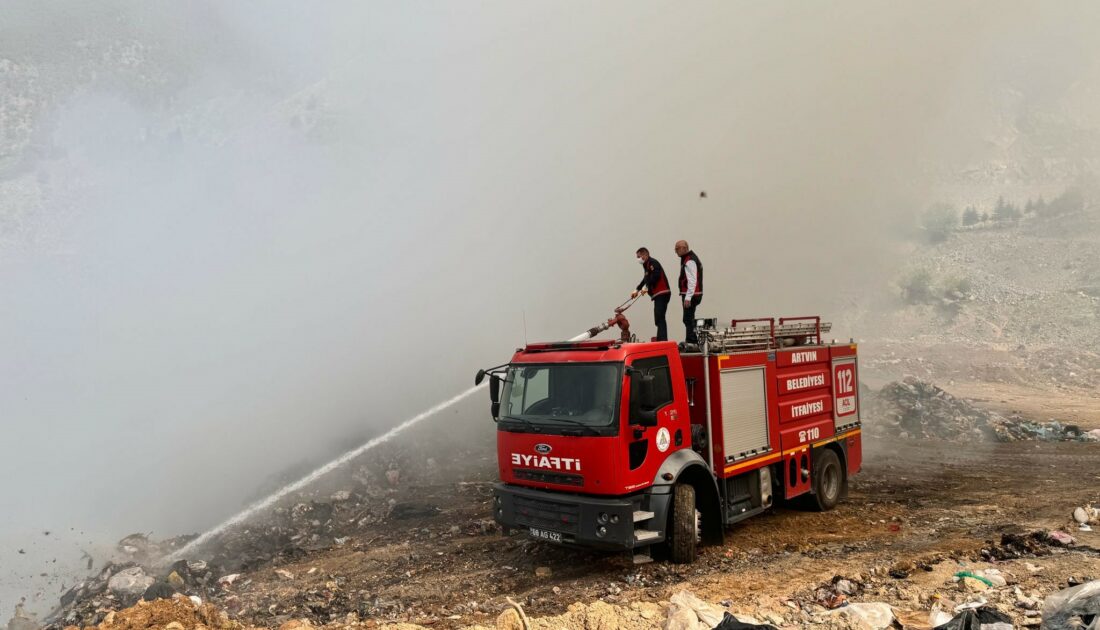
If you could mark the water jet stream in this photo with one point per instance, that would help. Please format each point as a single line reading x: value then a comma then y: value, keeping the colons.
x: 271, y: 499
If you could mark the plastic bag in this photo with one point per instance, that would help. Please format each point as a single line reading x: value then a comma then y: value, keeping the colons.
x: 1082, y: 601
x: 978, y: 619
x: 971, y: 574
x: 729, y: 622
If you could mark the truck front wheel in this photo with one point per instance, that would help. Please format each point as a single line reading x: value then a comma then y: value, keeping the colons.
x: 828, y: 481
x: 682, y: 529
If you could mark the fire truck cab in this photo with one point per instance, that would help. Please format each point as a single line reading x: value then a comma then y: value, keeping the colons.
x: 624, y: 446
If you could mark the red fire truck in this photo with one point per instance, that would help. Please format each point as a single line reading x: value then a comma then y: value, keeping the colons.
x: 626, y: 446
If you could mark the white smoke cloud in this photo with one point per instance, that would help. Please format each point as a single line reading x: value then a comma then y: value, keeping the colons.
x: 258, y: 231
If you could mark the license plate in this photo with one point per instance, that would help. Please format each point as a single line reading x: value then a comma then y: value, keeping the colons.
x: 543, y: 534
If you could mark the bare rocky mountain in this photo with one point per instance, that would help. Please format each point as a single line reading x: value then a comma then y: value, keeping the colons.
x: 1033, y: 283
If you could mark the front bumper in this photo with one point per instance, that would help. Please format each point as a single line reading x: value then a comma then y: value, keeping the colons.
x: 576, y: 518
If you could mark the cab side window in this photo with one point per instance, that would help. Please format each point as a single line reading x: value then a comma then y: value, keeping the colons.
x: 662, y: 378
x: 530, y: 385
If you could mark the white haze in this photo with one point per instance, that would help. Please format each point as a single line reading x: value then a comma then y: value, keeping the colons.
x: 215, y: 302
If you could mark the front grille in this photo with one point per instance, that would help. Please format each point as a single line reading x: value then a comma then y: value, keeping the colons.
x: 542, y: 476
x: 551, y: 515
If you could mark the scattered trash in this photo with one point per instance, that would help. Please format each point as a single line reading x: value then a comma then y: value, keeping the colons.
x: 969, y: 574
x: 835, y: 593
x: 1015, y: 428
x: 919, y: 409
x: 729, y: 622
x: 228, y: 580
x: 971, y: 584
x: 1026, y: 602
x: 874, y: 616
x: 1073, y: 607
x: 1061, y: 538
x: 991, y: 577
x: 1086, y: 515
x: 978, y: 618
x: 688, y: 612
x: 843, y: 586
x: 1074, y: 581
x: 916, y: 409
x: 284, y: 574
x: 131, y: 582
x: 937, y: 618
x: 159, y: 590
x: 1018, y: 545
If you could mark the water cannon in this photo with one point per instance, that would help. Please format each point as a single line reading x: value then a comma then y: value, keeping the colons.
x: 618, y: 319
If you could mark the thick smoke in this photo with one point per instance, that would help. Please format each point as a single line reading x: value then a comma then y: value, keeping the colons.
x: 252, y: 233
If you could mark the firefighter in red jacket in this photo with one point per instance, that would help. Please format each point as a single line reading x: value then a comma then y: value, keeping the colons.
x: 655, y: 283
x: 691, y: 287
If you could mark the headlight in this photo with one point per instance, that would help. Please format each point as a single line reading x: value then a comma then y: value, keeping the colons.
x: 601, y: 531
x: 602, y: 518
x: 614, y: 518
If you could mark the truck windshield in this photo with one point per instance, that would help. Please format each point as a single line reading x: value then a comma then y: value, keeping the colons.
x: 562, y: 395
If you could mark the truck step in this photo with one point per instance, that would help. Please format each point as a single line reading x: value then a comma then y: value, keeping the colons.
x: 641, y: 558
x: 645, y: 535
x: 642, y: 515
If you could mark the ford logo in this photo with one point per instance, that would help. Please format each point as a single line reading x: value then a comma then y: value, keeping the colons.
x: 543, y: 448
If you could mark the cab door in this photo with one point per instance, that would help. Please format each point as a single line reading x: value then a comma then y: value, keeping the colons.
x: 645, y: 448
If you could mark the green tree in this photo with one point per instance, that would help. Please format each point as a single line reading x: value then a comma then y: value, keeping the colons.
x: 1005, y: 211
x: 957, y: 288
x: 938, y: 221
x: 916, y: 287
x: 970, y: 216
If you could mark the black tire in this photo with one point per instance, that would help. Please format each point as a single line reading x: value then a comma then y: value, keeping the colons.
x: 682, y: 529
x: 828, y: 480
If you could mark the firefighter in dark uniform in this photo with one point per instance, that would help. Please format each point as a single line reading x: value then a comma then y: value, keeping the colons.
x: 655, y: 283
x: 691, y: 287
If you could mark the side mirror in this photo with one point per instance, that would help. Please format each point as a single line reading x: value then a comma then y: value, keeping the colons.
x: 494, y: 396
x: 642, y: 400
x: 494, y: 387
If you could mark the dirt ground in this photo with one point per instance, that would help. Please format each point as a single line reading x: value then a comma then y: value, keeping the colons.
x: 915, y: 504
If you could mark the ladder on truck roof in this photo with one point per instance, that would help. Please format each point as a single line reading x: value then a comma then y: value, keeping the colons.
x: 764, y: 333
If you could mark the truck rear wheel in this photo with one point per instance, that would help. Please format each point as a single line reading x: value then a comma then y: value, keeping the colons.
x: 828, y: 481
x: 682, y: 530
